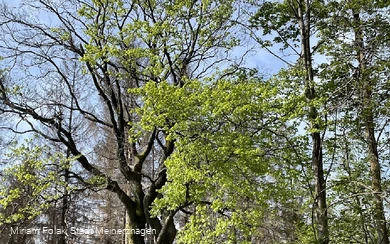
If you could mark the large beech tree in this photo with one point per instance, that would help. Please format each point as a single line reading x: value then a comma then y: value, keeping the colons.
x: 122, y: 45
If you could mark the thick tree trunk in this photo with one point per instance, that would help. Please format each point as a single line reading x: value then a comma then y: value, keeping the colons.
x: 138, y: 216
x: 136, y: 223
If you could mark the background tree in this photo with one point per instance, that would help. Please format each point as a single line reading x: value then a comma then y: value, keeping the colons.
x: 362, y: 68
x: 122, y: 45
x: 292, y: 25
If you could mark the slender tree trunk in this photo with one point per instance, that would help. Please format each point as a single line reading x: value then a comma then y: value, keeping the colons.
x: 320, y: 211
x: 375, y: 168
x: 368, y: 119
x: 126, y: 221
x: 65, y: 206
x: 65, y: 199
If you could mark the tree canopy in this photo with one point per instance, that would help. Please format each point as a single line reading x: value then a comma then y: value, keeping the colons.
x: 149, y: 115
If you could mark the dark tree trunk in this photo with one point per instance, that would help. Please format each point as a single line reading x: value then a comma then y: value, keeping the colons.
x: 320, y: 206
